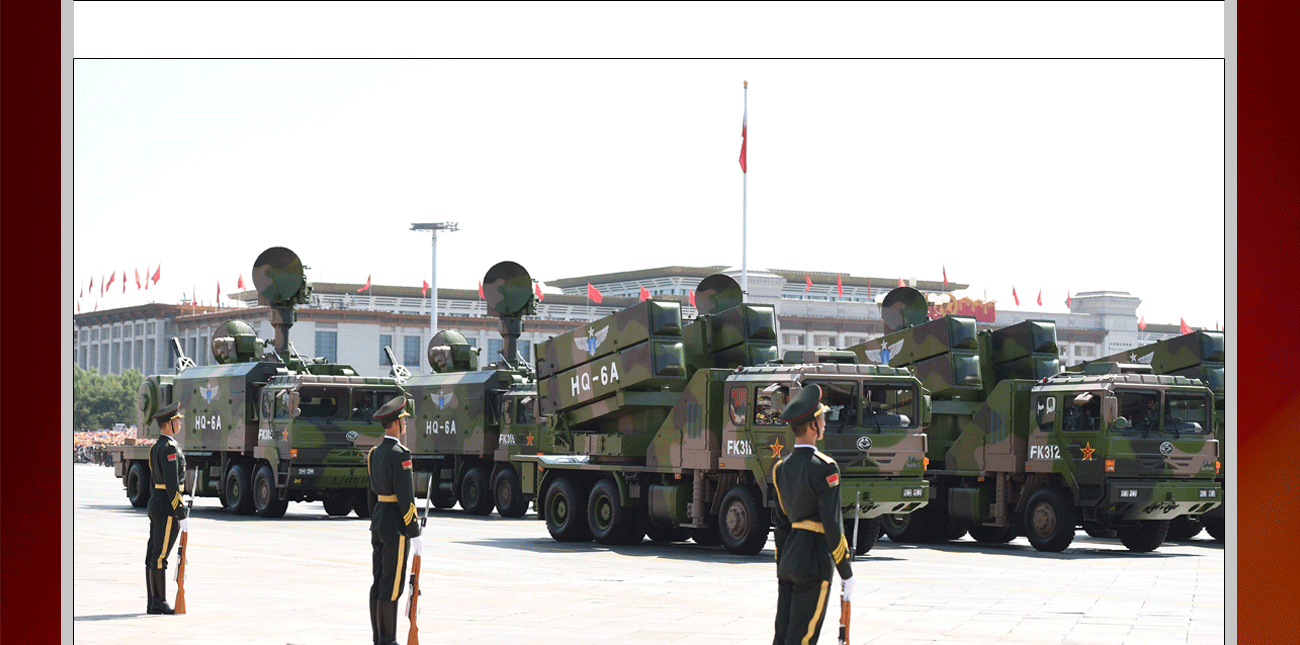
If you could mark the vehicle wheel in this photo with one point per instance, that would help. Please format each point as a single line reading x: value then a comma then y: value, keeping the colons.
x: 993, y: 534
x: 609, y: 521
x: 361, y: 506
x: 1183, y: 527
x: 956, y: 532
x: 1214, y: 526
x: 266, y: 499
x: 706, y: 537
x: 664, y: 532
x: 864, y: 536
x: 475, y: 497
x: 639, y: 526
x: 909, y: 528
x: 337, y: 506
x: 743, y: 522
x: 566, y: 511
x: 1098, y: 532
x: 509, y: 496
x: 443, y: 500
x: 239, y: 494
x: 1049, y: 520
x: 138, y: 485
x: 1147, y: 536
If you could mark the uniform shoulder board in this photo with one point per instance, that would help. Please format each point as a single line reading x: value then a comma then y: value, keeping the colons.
x: 824, y: 457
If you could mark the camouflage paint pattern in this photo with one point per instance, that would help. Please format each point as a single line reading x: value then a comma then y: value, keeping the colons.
x: 616, y: 332
x: 740, y: 336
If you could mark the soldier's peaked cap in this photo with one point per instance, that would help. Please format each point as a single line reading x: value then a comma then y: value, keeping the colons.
x: 392, y: 411
x: 805, y: 406
x: 167, y: 413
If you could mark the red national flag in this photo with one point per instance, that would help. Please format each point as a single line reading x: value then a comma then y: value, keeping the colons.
x: 839, y: 285
x: 123, y: 280
x: 1040, y: 297
x: 365, y: 287
x: 1142, y: 323
x: 111, y: 277
x: 744, y: 140
x: 480, y: 291
x: 807, y: 283
x: 1013, y: 295
x: 945, y: 274
x: 82, y: 293
x: 218, y: 293
x: 1067, y: 299
x: 96, y: 305
x: 900, y: 282
x: 424, y: 287
x: 146, y: 277
x: 692, y: 297
x: 156, y: 273
x: 593, y: 294
x: 1182, y: 326
x: 645, y: 295
x: 92, y: 283
x: 241, y: 281
x: 137, y: 278
x: 537, y: 291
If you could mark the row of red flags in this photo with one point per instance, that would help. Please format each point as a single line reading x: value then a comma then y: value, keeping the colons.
x: 104, y: 285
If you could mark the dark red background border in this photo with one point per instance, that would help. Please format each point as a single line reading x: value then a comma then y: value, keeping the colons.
x: 1268, y: 427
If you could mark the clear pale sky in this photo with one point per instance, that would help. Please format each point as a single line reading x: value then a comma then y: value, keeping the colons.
x: 1060, y: 175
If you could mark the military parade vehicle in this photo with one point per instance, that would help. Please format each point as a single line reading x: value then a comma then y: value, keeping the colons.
x: 639, y: 424
x: 1198, y: 355
x: 265, y: 426
x: 1016, y: 447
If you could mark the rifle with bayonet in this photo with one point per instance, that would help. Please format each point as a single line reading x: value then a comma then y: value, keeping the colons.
x: 413, y: 600
x: 182, y: 552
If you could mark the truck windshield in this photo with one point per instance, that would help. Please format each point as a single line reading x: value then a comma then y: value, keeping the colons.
x: 1141, y: 408
x: 889, y: 407
x: 320, y: 402
x: 366, y: 402
x: 1186, y: 412
x: 841, y: 398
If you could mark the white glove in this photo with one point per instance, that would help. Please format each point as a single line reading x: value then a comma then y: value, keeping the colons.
x: 417, y: 545
x: 185, y: 525
x: 848, y: 589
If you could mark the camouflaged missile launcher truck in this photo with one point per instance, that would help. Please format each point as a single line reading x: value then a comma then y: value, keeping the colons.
x: 669, y: 430
x: 1199, y: 355
x: 261, y: 430
x: 1015, y: 448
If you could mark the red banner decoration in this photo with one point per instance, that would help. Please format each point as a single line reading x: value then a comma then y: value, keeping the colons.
x: 985, y: 312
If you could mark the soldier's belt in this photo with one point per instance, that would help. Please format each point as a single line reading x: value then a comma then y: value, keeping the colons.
x: 181, y: 488
x: 388, y: 498
x: 809, y: 525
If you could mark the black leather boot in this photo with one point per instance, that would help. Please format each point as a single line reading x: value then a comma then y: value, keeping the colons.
x: 148, y: 585
x: 374, y: 621
x: 159, y: 605
x: 387, y: 611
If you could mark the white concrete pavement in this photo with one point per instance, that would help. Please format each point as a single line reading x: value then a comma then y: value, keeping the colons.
x: 303, y: 579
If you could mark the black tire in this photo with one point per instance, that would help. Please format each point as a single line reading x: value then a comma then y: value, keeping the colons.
x: 566, y: 511
x: 361, y: 506
x: 1050, y: 520
x: 239, y: 491
x: 266, y: 498
x: 956, y: 532
x: 475, y: 496
x: 1183, y: 527
x: 664, y: 532
x: 706, y: 536
x: 1098, y: 532
x: 743, y: 522
x: 1215, y: 527
x: 508, y: 494
x: 905, y: 529
x: 864, y: 536
x: 1147, y: 536
x: 607, y: 518
x: 993, y: 534
x: 639, y: 526
x: 139, y: 486
x: 336, y: 505
x: 443, y: 500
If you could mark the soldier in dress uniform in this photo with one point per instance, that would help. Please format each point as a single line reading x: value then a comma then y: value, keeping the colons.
x: 168, y: 517
x: 394, y: 531
x: 810, y: 543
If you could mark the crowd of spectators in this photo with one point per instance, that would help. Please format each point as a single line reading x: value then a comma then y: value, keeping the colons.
x: 91, y: 446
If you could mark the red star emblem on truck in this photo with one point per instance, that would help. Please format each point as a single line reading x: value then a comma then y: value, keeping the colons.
x: 776, y: 448
x: 1087, y: 451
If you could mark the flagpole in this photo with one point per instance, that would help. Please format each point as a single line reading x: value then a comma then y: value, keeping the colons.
x: 744, y: 209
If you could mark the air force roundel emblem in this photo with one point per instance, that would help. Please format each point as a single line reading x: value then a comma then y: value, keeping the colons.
x: 209, y: 392
x: 590, y: 343
x: 439, y: 399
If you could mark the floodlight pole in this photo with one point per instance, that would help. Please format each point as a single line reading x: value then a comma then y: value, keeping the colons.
x: 450, y: 227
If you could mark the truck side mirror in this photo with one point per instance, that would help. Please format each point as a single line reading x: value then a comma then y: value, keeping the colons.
x: 925, y: 410
x: 294, y: 410
x: 1109, y: 409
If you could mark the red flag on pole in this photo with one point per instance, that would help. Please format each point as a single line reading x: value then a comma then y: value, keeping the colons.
x: 480, y: 291
x: 82, y: 293
x: 807, y: 283
x: 1040, y: 297
x: 744, y: 139
x: 1182, y: 326
x: 1067, y: 299
x: 241, y: 281
x: 1142, y: 323
x: 900, y: 282
x: 645, y: 295
x: 1013, y: 295
x: 156, y: 273
x: 146, y: 277
x: 218, y: 293
x: 424, y: 287
x: 945, y: 275
x: 839, y: 285
x: 593, y: 294
x: 123, y: 280
x: 111, y: 277
x: 92, y: 283
x: 137, y: 279
x: 537, y: 290
x: 692, y: 297
x: 365, y: 287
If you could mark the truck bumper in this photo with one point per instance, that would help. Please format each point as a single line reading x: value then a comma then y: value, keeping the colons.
x: 309, y: 477
x: 1146, y: 500
x: 883, y: 496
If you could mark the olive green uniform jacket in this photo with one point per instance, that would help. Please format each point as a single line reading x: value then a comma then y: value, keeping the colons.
x: 809, y: 533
